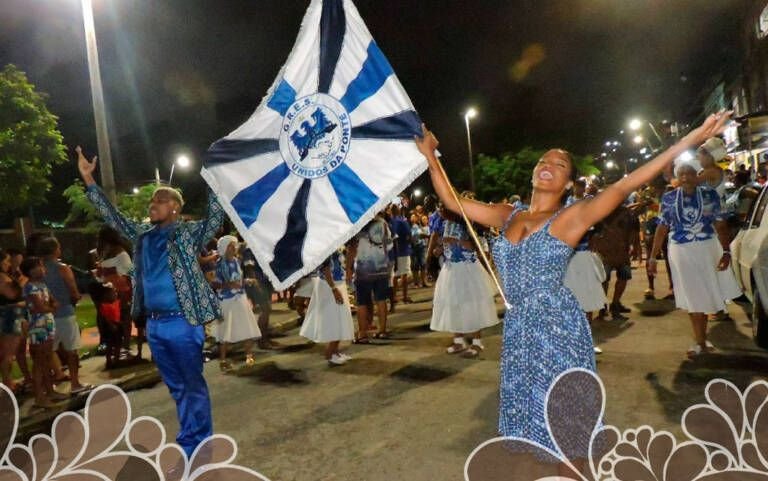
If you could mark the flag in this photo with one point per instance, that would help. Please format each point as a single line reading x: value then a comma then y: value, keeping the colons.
x: 328, y: 147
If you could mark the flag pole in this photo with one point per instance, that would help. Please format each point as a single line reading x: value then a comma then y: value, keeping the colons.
x: 472, y: 233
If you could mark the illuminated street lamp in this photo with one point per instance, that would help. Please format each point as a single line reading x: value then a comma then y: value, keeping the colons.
x: 471, y: 113
x: 638, y: 139
x: 610, y: 165
x: 635, y: 124
x: 417, y: 193
x: 183, y: 162
x: 135, y: 190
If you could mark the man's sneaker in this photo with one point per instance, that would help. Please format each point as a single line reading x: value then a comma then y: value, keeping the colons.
x: 336, y: 360
x: 345, y: 356
x: 618, y: 316
x: 619, y: 307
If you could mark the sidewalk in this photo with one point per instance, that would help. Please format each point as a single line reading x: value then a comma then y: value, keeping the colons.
x: 142, y: 374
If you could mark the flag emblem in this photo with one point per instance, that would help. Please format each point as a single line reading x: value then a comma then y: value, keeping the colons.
x: 315, y: 136
x: 328, y: 147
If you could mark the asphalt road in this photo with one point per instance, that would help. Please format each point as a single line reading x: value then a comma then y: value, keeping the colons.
x: 405, y: 410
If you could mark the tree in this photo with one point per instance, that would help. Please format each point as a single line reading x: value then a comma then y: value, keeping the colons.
x: 510, y: 174
x: 30, y: 142
x: 82, y: 212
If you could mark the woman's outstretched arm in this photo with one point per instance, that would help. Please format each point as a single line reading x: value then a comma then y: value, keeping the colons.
x: 480, y: 212
x: 583, y: 215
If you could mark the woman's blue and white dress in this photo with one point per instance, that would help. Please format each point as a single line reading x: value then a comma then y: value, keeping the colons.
x: 694, y: 251
x: 238, y: 323
x: 464, y: 295
x: 545, y: 331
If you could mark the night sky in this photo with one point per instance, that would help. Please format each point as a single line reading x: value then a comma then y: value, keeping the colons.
x: 179, y: 74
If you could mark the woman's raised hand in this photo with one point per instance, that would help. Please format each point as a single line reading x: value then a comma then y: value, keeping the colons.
x: 714, y: 125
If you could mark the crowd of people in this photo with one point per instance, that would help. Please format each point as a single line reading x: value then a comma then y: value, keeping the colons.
x: 554, y: 252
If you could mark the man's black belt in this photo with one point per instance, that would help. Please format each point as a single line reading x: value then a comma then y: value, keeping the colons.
x: 162, y: 314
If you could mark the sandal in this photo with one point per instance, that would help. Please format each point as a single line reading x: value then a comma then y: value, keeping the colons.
x: 81, y: 388
x: 362, y: 340
x: 383, y: 335
x: 225, y: 366
x: 472, y: 352
x: 407, y: 300
x: 474, y: 349
x: 249, y: 360
x: 456, y: 348
x: 648, y: 295
x: 57, y: 396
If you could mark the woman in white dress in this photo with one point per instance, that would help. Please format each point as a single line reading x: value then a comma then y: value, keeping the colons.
x: 699, y: 255
x: 464, y: 296
x: 238, y: 323
x: 329, y: 316
x: 585, y: 274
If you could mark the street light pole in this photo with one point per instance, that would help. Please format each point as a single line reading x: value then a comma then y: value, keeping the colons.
x: 471, y: 113
x: 99, y: 115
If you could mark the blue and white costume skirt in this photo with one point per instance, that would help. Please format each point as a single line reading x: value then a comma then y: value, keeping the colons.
x: 699, y: 286
x: 585, y: 276
x: 463, y: 301
x: 327, y: 321
x: 238, y: 321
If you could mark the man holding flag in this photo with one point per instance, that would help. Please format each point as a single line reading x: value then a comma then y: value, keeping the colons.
x: 171, y: 291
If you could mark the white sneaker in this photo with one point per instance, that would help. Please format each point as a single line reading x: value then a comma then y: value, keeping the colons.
x: 598, y: 350
x: 694, y: 351
x: 345, y: 356
x: 337, y: 360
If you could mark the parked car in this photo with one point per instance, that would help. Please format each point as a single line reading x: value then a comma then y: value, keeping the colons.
x: 749, y: 251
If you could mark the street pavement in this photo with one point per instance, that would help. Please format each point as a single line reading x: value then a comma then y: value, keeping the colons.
x: 403, y: 409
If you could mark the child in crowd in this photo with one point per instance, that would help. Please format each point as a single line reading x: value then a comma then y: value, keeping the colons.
x: 109, y: 310
x: 41, y: 306
x: 238, y: 323
x: 329, y: 316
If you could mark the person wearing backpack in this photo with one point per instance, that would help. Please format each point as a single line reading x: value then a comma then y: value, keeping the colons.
x: 368, y: 258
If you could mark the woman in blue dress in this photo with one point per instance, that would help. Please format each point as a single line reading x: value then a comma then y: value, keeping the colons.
x: 545, y: 330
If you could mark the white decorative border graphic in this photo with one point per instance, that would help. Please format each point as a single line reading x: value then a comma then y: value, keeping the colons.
x: 106, y: 444
x: 727, y: 440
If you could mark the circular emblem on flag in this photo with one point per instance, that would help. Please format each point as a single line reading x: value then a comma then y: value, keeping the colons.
x: 315, y: 136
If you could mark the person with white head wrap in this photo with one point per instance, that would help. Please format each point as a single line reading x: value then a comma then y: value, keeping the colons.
x: 682, y: 163
x: 712, y: 152
x: 691, y: 215
x: 238, y: 322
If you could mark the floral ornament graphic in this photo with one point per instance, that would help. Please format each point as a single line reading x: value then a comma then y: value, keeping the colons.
x: 727, y: 440
x: 106, y: 444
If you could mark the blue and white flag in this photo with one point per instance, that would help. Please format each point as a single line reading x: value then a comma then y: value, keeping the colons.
x: 329, y: 146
